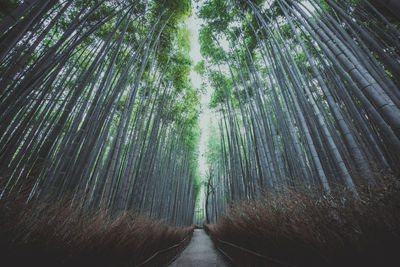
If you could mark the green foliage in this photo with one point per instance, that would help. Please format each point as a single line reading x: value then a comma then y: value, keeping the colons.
x: 244, y: 4
x: 217, y: 13
x: 179, y: 70
x: 287, y: 31
x: 209, y: 47
x: 121, y: 103
x: 218, y: 82
x: 234, y: 24
x: 181, y: 9
x: 183, y: 39
x: 249, y: 26
x: 200, y: 68
x: 173, y: 13
x: 214, y: 147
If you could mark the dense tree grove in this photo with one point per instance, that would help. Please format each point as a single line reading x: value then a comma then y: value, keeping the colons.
x: 308, y: 96
x: 96, y: 104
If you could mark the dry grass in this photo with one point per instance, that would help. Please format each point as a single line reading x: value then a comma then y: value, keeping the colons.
x: 60, y: 235
x: 302, y: 230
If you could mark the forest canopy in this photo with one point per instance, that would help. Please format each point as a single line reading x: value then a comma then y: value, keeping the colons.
x: 103, y: 111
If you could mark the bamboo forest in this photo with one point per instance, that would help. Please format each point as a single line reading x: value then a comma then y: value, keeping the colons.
x: 199, y: 133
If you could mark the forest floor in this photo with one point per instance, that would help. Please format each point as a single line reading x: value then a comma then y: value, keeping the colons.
x: 199, y: 252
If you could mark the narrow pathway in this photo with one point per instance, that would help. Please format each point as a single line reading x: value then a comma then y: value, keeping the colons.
x: 200, y: 252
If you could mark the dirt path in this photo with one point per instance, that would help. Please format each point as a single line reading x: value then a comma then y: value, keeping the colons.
x: 200, y: 252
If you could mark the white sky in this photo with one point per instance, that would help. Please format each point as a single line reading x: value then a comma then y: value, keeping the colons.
x: 206, y: 118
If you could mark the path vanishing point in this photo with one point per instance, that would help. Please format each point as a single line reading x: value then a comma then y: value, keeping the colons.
x: 200, y: 252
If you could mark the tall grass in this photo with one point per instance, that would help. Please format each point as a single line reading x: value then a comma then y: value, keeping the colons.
x: 299, y: 229
x: 58, y: 234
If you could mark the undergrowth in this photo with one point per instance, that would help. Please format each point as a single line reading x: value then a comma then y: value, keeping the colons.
x: 60, y: 234
x: 300, y: 229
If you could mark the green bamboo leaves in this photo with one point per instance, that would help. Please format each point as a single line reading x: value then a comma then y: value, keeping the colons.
x: 96, y: 103
x: 315, y: 96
